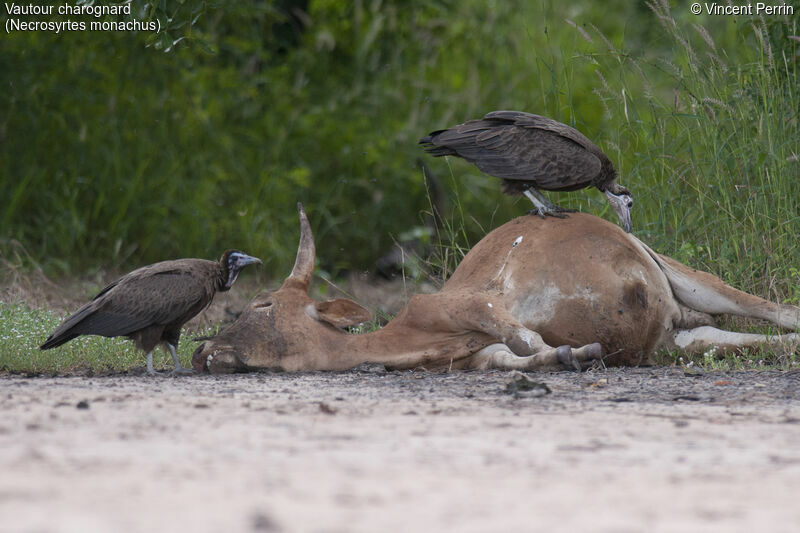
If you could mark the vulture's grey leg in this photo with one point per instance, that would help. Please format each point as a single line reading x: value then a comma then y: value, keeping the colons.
x: 545, y: 206
x: 178, y: 368
x: 150, y: 369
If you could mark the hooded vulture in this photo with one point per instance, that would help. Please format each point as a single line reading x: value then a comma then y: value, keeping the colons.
x: 151, y: 304
x: 531, y: 153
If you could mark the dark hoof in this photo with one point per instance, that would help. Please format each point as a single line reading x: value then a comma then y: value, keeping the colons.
x: 567, y: 358
x: 594, y: 351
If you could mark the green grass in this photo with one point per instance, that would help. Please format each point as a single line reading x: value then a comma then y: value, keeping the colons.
x: 747, y: 359
x: 114, y: 155
x: 152, y: 156
x: 714, y: 167
x: 23, y: 329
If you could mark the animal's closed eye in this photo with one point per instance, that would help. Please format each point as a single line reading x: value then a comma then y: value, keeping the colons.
x: 262, y: 305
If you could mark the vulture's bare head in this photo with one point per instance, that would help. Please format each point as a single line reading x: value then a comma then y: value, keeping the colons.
x: 622, y: 202
x: 234, y: 261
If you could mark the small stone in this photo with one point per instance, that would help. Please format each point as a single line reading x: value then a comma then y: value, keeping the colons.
x: 83, y: 404
x: 521, y: 386
x: 600, y: 383
x: 262, y: 522
x: 691, y: 372
x: 327, y: 409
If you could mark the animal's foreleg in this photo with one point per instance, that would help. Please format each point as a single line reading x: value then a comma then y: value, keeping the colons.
x: 706, y: 338
x: 501, y: 357
x: 490, y: 316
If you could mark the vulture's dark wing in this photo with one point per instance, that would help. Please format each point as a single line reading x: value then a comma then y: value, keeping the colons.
x: 140, y: 299
x: 520, y: 146
x: 529, y: 120
x: 158, y: 298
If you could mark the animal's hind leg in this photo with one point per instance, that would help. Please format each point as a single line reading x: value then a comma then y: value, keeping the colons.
x: 706, y: 293
x: 501, y: 357
x: 705, y: 338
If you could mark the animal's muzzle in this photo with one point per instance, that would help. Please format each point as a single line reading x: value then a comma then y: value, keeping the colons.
x: 199, y: 363
x: 217, y: 360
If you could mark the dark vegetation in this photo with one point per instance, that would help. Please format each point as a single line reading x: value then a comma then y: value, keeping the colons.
x: 118, y: 149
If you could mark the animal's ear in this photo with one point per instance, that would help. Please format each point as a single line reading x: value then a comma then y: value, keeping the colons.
x: 342, y: 312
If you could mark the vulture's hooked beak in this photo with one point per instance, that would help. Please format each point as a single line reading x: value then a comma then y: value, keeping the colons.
x: 242, y: 260
x: 622, y: 204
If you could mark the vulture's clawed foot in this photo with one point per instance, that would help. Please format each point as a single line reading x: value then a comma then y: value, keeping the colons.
x: 182, y: 371
x: 558, y: 212
x: 537, y: 211
x: 543, y: 206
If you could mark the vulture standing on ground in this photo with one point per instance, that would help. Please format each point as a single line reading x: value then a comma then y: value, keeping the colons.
x: 529, y: 152
x: 151, y: 304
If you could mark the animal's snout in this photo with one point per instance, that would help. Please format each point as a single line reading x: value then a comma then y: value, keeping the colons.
x: 217, y: 360
x: 199, y: 362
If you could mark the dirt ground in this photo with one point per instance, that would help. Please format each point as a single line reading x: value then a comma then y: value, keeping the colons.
x: 647, y: 449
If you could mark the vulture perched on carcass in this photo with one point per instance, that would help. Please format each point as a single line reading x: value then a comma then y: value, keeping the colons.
x: 531, y: 153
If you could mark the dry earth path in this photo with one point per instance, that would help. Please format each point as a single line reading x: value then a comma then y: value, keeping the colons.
x: 646, y: 449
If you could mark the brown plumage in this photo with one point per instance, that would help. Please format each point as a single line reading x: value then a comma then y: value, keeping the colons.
x: 530, y: 152
x: 151, y: 304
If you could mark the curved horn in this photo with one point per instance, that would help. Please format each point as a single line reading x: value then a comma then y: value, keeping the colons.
x: 304, y: 264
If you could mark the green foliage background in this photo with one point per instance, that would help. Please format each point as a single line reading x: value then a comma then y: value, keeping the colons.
x: 122, y: 148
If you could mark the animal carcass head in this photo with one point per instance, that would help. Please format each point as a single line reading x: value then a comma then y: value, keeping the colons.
x: 284, y: 329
